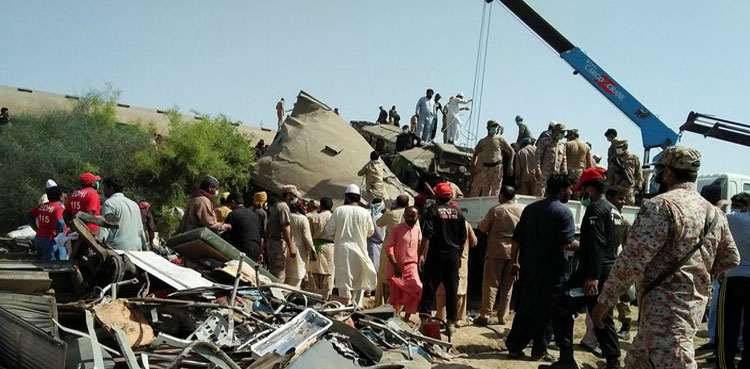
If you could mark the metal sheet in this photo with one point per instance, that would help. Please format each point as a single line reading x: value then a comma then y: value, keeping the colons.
x: 180, y: 278
x: 27, y: 347
x: 36, y: 309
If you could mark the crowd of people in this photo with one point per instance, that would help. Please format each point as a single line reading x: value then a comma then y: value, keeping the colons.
x: 135, y: 228
x: 414, y: 255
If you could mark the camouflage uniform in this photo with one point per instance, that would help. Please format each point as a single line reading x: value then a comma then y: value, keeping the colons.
x: 550, y: 158
x: 488, y: 175
x: 625, y: 171
x: 578, y: 156
x: 667, y: 228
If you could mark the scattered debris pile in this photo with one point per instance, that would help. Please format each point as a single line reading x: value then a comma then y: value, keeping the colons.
x: 197, y: 303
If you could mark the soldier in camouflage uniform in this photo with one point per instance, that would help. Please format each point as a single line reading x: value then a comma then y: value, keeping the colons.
x: 577, y: 154
x: 550, y: 156
x: 624, y: 170
x: 667, y: 229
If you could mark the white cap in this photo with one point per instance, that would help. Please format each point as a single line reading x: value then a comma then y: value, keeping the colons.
x: 460, y: 94
x: 352, y: 189
x: 50, y: 183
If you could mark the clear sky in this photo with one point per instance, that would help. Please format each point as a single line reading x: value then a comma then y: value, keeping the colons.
x: 240, y: 57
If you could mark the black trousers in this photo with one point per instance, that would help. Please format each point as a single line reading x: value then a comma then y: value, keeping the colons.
x: 565, y: 307
x: 734, y: 304
x: 440, y: 268
x: 532, y: 321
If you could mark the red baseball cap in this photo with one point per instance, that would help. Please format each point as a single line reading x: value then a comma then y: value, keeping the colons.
x: 443, y: 190
x: 144, y: 205
x: 88, y: 178
x: 590, y: 174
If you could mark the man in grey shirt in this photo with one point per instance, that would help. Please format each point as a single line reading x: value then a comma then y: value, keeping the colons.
x: 129, y: 236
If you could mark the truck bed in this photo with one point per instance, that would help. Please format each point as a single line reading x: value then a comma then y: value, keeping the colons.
x: 475, y: 208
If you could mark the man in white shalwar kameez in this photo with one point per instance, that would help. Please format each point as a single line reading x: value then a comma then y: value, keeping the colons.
x: 453, y: 121
x: 350, y: 225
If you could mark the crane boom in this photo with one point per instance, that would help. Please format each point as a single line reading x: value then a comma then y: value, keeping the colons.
x: 654, y: 132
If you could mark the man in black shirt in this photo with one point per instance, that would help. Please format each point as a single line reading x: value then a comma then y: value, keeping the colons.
x: 542, y: 236
x: 443, y: 236
x: 407, y: 140
x: 601, y: 233
x: 245, y: 231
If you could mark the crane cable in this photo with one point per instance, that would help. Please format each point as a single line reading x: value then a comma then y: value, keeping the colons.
x: 474, y: 124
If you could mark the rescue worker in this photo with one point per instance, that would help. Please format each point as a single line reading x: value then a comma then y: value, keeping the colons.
x: 87, y: 199
x: 278, y: 244
x: 444, y: 234
x: 425, y: 113
x: 611, y: 135
x: 280, y: 108
x: 662, y: 258
x: 321, y: 270
x: 546, y: 133
x: 550, y: 157
x: 497, y: 280
x: 453, y: 121
x: 577, y: 154
x: 539, y: 264
x: 525, y: 168
x: 374, y: 172
x: 523, y: 130
x: 601, y: 232
x: 489, y: 155
x: 407, y: 140
x: 625, y: 170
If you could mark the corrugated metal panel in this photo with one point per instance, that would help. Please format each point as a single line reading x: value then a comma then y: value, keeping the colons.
x: 38, y: 310
x: 24, y: 346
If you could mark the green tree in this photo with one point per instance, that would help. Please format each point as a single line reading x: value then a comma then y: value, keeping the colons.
x: 168, y: 172
x: 60, y: 145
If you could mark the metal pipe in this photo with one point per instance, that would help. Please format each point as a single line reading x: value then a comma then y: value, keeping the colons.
x: 237, y: 279
x: 85, y: 335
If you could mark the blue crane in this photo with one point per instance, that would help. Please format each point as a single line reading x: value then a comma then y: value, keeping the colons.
x: 654, y: 132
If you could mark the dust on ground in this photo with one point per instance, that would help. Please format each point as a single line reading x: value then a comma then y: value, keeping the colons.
x: 484, y: 348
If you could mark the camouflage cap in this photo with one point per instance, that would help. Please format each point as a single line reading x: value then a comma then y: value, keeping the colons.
x: 619, y: 142
x: 573, y: 131
x: 491, y: 123
x: 559, y: 127
x: 681, y: 157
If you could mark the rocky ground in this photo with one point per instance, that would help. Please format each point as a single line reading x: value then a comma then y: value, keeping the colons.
x: 484, y: 347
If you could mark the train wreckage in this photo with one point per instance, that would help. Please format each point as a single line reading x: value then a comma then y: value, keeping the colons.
x: 195, y: 301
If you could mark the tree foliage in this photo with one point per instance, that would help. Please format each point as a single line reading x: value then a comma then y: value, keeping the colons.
x: 167, y: 172
x: 61, y: 145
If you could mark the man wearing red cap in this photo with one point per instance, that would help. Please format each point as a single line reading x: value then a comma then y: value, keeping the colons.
x: 601, y: 233
x: 444, y: 233
x: 86, y: 199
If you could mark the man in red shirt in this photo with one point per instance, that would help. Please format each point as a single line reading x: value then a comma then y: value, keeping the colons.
x: 86, y: 199
x: 49, y: 220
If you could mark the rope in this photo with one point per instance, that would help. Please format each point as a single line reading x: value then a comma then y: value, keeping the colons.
x: 473, y: 122
x: 469, y: 121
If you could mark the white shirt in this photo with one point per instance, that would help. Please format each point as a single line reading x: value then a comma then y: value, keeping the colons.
x: 350, y: 226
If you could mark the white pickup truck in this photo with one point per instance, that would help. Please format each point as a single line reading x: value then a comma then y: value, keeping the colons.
x: 475, y: 208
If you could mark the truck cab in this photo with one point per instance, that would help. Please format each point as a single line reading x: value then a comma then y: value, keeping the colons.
x: 730, y: 183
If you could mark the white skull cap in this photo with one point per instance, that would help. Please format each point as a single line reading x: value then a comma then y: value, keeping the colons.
x: 352, y: 189
x: 50, y: 183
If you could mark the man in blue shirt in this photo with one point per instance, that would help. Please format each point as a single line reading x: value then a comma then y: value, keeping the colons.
x: 426, y: 113
x: 734, y: 293
x: 542, y: 236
